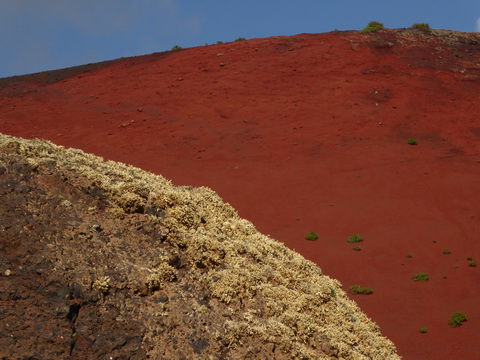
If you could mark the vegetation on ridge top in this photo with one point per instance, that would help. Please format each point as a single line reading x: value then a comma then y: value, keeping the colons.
x: 372, y: 27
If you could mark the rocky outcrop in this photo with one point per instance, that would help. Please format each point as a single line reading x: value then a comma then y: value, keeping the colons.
x: 104, y: 260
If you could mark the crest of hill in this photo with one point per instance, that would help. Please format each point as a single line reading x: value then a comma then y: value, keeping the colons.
x: 175, y: 265
x: 433, y: 39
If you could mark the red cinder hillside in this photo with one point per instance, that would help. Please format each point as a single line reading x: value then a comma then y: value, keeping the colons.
x: 307, y: 133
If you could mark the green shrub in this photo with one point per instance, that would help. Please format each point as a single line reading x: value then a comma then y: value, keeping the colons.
x: 420, y: 277
x: 372, y: 27
x: 456, y: 54
x: 240, y: 39
x: 357, y: 289
x: 423, y: 330
x: 354, y: 238
x: 412, y: 141
x: 472, y: 264
x: 357, y: 248
x: 408, y: 255
x: 446, y: 251
x: 176, y: 47
x: 456, y: 319
x: 219, y: 42
x: 469, y: 258
x: 420, y: 26
x: 312, y: 236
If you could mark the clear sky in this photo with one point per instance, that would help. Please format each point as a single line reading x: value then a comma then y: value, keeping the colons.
x: 38, y: 35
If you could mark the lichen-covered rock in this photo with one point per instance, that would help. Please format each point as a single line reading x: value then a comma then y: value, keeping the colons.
x: 100, y: 260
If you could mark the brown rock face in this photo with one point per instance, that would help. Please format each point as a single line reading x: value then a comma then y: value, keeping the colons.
x: 101, y: 260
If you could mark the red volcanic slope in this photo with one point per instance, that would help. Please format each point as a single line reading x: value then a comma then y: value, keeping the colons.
x: 307, y: 133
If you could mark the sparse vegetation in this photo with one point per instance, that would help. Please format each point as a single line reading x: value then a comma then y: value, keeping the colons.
x: 176, y: 48
x: 423, y: 330
x: 472, y: 264
x: 456, y: 319
x: 446, y: 251
x: 357, y: 289
x: 219, y: 42
x: 354, y: 238
x: 102, y: 285
x: 420, y: 277
x: 409, y: 255
x: 312, y: 236
x: 357, y: 248
x: 158, y: 276
x: 412, y: 141
x: 469, y: 258
x: 240, y: 39
x: 456, y: 54
x: 372, y: 27
x: 420, y: 26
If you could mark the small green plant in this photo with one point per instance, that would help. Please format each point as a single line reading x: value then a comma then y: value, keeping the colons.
x: 354, y: 238
x: 456, y: 319
x: 472, y: 264
x: 333, y: 293
x: 469, y: 258
x: 423, y: 330
x: 412, y: 141
x: 219, y: 42
x: 357, y: 289
x: 176, y: 48
x: 446, y: 251
x: 420, y: 26
x: 240, y: 39
x: 357, y: 248
x: 456, y: 54
x: 312, y: 236
x: 409, y: 255
x: 372, y: 27
x: 420, y: 277
x: 455, y: 266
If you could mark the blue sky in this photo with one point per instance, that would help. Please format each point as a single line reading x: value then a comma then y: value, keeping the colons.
x: 38, y: 35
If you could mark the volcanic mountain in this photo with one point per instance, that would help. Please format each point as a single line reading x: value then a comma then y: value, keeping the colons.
x: 342, y: 133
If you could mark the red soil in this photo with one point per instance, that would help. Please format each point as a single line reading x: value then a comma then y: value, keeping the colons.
x: 306, y: 133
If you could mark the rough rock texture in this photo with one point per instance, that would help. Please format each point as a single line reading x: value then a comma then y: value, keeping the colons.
x: 103, y: 260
